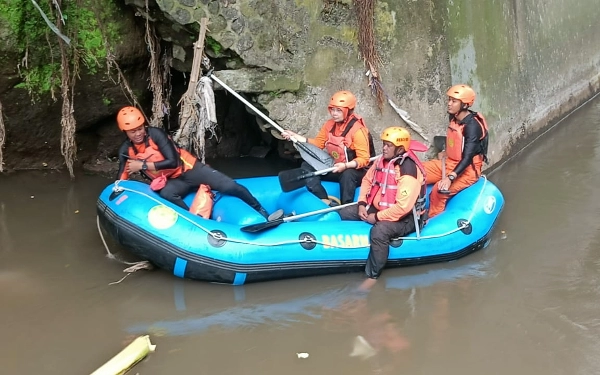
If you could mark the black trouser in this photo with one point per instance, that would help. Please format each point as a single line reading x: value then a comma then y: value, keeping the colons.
x: 349, y: 180
x: 179, y: 187
x: 380, y: 237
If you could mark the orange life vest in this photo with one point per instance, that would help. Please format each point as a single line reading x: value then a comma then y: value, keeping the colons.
x: 203, y: 202
x: 339, y: 146
x: 385, y: 179
x: 150, y: 152
x: 455, y: 139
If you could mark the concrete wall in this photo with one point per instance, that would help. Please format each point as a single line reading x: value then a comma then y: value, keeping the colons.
x: 530, y: 61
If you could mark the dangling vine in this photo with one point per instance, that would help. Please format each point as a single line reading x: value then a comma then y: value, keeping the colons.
x: 2, y: 137
x: 68, y: 146
x: 365, y: 14
x: 158, y: 74
x: 111, y: 62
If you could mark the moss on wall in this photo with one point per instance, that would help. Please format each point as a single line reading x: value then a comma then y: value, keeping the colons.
x: 86, y: 22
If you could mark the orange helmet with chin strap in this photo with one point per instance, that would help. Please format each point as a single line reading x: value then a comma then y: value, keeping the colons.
x: 343, y: 99
x: 130, y: 118
x: 463, y: 93
x: 396, y: 135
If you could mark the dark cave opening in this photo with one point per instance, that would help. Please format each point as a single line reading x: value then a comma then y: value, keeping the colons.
x: 238, y: 133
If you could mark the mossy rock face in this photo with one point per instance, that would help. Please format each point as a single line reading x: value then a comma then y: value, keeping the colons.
x: 34, y: 129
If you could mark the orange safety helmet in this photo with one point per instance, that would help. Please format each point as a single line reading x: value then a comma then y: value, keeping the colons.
x: 463, y: 93
x: 343, y: 99
x: 130, y: 118
x: 397, y: 135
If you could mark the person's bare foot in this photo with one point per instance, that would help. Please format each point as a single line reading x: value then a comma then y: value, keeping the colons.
x: 367, y: 284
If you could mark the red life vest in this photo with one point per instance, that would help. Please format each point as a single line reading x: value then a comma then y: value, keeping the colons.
x: 339, y: 146
x: 150, y: 152
x: 385, y: 179
x: 455, y: 139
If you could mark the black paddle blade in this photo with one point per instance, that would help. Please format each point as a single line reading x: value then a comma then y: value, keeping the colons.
x: 293, y: 179
x: 316, y: 157
x: 255, y: 228
x: 439, y: 142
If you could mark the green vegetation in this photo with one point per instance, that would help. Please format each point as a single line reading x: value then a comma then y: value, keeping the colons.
x: 215, y: 46
x: 86, y: 23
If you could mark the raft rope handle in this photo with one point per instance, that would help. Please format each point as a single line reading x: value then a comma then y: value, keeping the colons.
x: 218, y: 236
x: 142, y: 264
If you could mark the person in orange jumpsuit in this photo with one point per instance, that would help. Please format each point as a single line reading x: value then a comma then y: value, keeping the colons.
x: 346, y: 138
x: 388, y: 197
x: 466, y: 149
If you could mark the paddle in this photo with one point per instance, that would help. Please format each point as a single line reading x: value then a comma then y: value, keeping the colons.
x: 316, y: 157
x: 254, y: 228
x: 294, y: 178
x: 439, y: 142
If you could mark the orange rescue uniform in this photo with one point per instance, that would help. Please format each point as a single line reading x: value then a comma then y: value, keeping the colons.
x: 356, y: 140
x: 407, y: 191
x: 466, y: 148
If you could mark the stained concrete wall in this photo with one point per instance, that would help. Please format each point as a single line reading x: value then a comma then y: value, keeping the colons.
x: 530, y: 61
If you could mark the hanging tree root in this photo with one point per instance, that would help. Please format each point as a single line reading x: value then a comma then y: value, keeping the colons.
x: 2, y: 138
x: 68, y: 145
x: 197, y: 115
x: 158, y: 74
x: 365, y: 13
x: 111, y: 63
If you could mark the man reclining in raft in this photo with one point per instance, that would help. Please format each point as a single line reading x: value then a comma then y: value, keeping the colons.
x: 150, y: 151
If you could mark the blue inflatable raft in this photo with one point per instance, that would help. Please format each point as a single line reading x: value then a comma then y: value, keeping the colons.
x: 217, y: 250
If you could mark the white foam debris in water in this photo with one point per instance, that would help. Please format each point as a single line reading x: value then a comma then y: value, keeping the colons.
x: 362, y: 348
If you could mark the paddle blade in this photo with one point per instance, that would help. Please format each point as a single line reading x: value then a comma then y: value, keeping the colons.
x: 314, y: 156
x: 439, y: 142
x: 293, y: 179
x: 255, y: 228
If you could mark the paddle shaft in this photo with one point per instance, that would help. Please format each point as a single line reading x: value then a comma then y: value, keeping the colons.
x: 439, y: 142
x: 241, y: 98
x: 255, y: 228
x: 444, y: 175
x: 322, y: 211
x: 265, y: 117
x: 325, y: 171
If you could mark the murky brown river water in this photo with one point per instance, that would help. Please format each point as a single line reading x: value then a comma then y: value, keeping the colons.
x: 528, y: 304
